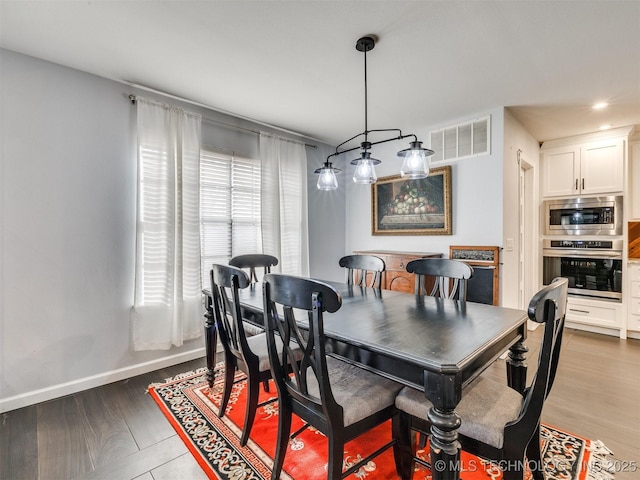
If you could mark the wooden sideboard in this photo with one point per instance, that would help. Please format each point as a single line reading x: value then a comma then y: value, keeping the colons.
x: 395, y: 276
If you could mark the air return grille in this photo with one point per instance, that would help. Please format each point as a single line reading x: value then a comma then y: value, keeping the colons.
x: 469, y: 139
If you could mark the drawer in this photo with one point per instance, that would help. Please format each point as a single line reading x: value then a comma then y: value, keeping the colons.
x: 595, y: 315
x: 634, y: 307
x: 634, y: 273
x: 398, y: 263
x: 635, y: 289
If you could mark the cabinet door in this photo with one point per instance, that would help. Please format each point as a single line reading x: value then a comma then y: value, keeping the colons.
x: 601, y: 167
x: 400, y: 281
x: 560, y: 171
x: 634, y: 273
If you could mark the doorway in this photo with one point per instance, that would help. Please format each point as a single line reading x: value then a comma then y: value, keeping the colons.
x: 527, y: 233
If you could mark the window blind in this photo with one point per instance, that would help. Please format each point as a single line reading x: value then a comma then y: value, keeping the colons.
x: 229, y: 208
x: 156, y: 235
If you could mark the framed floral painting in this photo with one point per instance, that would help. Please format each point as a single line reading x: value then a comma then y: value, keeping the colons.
x: 412, y: 207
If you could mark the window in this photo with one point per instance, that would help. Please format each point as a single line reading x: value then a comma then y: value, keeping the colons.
x: 229, y: 208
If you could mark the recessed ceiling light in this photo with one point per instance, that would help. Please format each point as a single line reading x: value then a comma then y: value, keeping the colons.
x: 606, y: 127
x: 600, y: 105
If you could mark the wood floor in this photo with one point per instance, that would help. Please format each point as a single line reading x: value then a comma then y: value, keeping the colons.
x: 116, y: 432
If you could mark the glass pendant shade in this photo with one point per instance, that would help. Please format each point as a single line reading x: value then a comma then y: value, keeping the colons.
x: 327, y: 178
x: 365, y: 171
x: 415, y: 164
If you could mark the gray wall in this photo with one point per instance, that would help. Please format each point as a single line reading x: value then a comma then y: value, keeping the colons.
x: 476, y: 197
x: 327, y: 219
x: 484, y: 202
x: 67, y: 232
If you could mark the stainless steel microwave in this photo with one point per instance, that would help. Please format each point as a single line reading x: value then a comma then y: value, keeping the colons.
x: 583, y: 216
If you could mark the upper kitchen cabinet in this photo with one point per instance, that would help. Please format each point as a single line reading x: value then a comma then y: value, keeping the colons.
x: 587, y: 168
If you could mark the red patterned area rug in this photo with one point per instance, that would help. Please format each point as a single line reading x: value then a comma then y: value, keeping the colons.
x: 192, y: 408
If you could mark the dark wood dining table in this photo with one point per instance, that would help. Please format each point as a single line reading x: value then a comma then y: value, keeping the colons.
x: 436, y: 345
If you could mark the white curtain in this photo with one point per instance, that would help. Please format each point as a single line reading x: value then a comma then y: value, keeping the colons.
x: 167, y: 306
x: 285, y: 232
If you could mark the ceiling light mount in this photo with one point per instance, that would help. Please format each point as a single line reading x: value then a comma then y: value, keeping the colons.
x: 365, y: 44
x: 415, y: 163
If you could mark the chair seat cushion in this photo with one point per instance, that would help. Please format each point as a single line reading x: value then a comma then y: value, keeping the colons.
x: 251, y: 329
x: 258, y: 345
x: 486, y: 407
x: 360, y: 392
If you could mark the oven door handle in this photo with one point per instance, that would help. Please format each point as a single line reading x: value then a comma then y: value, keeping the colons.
x: 581, y: 254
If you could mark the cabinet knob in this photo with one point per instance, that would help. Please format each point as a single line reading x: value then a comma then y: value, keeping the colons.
x: 576, y: 184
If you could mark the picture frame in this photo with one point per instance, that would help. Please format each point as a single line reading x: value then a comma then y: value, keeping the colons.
x: 401, y: 206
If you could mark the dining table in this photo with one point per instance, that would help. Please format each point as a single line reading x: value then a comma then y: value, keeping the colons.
x: 436, y: 345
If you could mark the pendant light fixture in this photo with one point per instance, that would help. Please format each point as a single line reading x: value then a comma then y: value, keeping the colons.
x: 327, y: 176
x: 415, y: 158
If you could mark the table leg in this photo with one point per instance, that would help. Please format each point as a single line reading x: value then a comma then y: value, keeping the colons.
x: 445, y: 448
x: 517, y: 366
x: 210, y: 340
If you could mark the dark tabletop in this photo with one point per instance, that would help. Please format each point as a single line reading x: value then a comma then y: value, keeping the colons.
x: 413, y: 333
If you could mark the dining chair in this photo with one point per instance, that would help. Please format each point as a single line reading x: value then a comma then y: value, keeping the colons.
x: 450, y: 277
x: 497, y: 422
x: 253, y: 261
x: 241, y: 351
x: 338, y: 398
x: 360, y: 266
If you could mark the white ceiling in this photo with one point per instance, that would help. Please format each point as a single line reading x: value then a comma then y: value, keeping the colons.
x: 293, y: 64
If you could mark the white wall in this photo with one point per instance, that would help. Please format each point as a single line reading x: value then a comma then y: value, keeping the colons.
x: 67, y: 232
x: 477, y: 198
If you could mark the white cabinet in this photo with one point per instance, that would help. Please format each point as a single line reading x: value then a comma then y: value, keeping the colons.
x: 560, y: 171
x: 634, y: 184
x: 586, y: 169
x: 633, y: 304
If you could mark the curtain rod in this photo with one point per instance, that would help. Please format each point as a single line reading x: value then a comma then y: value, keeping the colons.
x: 132, y: 98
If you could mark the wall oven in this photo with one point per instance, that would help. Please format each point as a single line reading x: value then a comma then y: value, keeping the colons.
x: 593, y: 267
x: 584, y: 216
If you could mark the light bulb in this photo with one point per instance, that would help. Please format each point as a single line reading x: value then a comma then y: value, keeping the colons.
x: 327, y: 179
x: 365, y: 172
x: 415, y: 165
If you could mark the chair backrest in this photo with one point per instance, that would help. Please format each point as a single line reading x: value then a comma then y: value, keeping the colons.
x: 358, y: 266
x: 548, y: 307
x: 225, y: 284
x: 253, y: 261
x: 450, y: 277
x: 308, y: 388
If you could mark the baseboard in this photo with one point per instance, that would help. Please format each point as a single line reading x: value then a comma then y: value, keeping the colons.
x: 634, y: 335
x: 68, y: 388
x: 614, y: 332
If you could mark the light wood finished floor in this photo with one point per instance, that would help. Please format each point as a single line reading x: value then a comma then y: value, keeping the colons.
x: 116, y: 432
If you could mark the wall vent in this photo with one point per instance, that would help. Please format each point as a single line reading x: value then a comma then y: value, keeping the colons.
x: 465, y: 140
